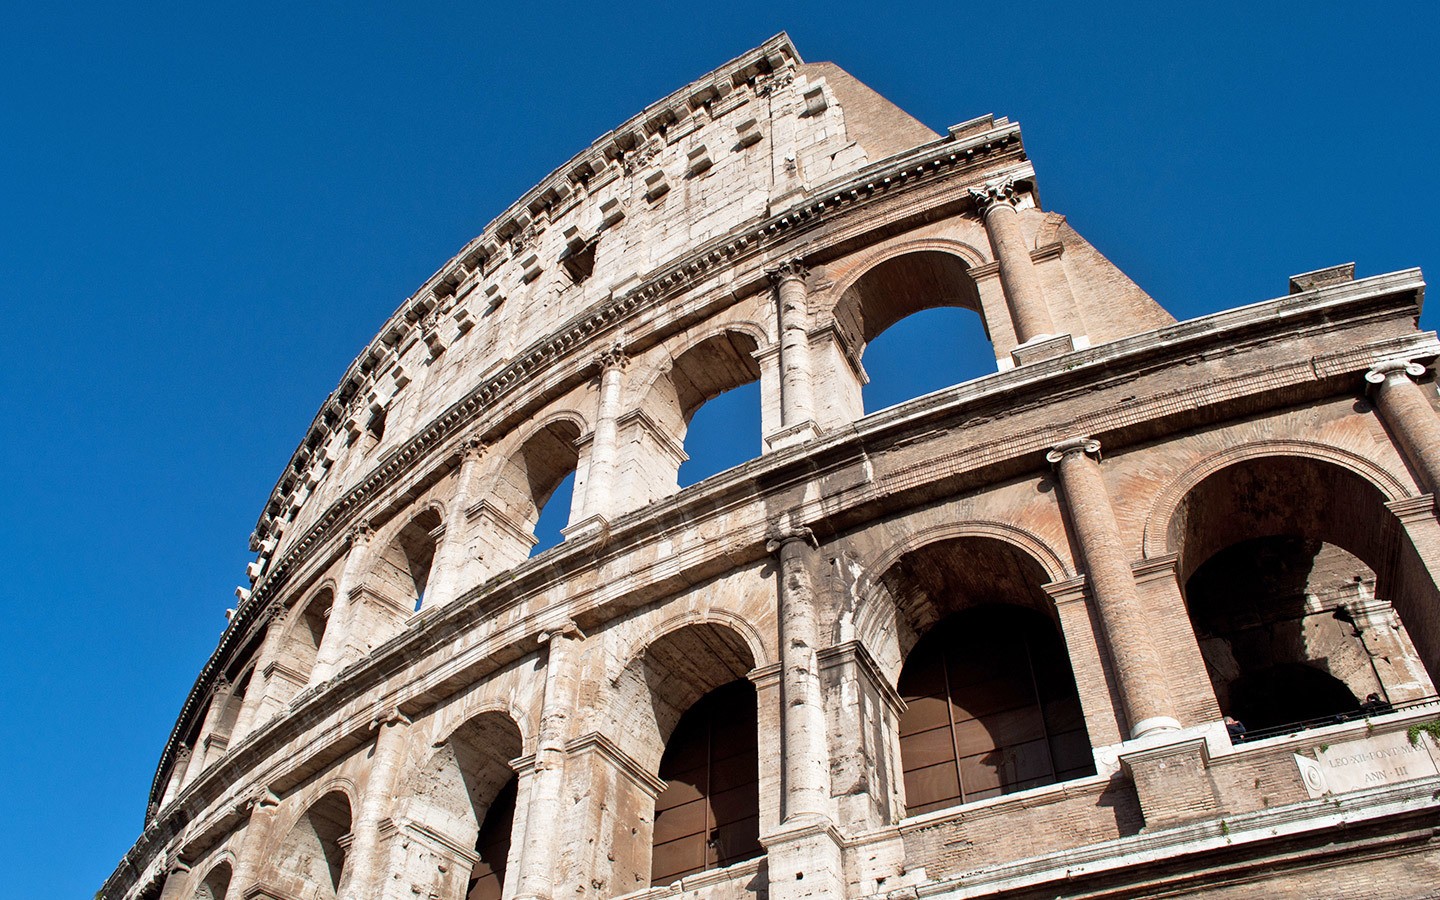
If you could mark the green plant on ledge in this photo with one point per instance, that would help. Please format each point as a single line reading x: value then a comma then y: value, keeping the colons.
x: 1431, y: 728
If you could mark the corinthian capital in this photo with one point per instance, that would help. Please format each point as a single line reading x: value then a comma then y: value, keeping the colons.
x: 995, y: 192
x: 1383, y: 370
x: 360, y: 533
x: 613, y: 358
x: 1085, y: 445
x: 790, y: 270
x: 472, y: 448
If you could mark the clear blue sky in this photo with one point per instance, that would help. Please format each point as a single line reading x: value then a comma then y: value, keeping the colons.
x: 209, y: 209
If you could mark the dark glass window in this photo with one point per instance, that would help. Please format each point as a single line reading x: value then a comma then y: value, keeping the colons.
x: 992, y: 709
x: 708, y: 816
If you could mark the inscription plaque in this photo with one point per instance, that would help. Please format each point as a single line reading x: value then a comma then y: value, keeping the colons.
x: 1371, y: 762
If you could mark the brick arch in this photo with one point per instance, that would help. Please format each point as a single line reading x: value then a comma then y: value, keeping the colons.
x: 1158, y: 539
x: 875, y: 615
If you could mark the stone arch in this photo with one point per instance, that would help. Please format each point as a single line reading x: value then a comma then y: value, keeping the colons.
x: 652, y: 437
x: 399, y: 571
x: 465, y: 792
x: 520, y: 482
x: 901, y: 281
x: 669, y: 674
x: 690, y: 716
x: 312, y: 856
x: 878, y: 291
x: 305, y: 626
x: 1158, y: 539
x: 743, y: 628
x: 216, y: 883
x: 1293, y: 560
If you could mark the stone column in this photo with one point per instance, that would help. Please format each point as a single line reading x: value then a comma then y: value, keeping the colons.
x: 1142, y: 684
x: 605, y: 444
x: 1409, y: 416
x: 538, y: 856
x: 364, y: 870
x: 797, y: 391
x: 1018, y: 278
x: 254, y: 846
x: 335, y: 646
x: 177, y: 877
x: 805, y: 757
x: 447, y: 570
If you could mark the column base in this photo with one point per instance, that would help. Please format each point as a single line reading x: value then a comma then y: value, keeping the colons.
x: 1046, y: 346
x: 596, y: 526
x: 805, y: 860
x: 792, y: 435
x: 1173, y: 782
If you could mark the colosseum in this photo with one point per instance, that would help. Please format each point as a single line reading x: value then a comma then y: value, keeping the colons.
x: 1151, y: 609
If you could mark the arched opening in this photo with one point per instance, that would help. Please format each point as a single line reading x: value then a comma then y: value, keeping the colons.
x: 947, y: 342
x: 992, y: 703
x: 227, y: 723
x: 657, y: 445
x: 529, y: 481
x: 215, y: 885
x: 690, y: 714
x: 400, y: 574
x: 301, y: 645
x: 708, y: 816
x: 926, y: 352
x: 722, y: 434
x: 1300, y: 586
x: 492, y: 846
x: 466, y: 792
x: 554, y: 516
x: 311, y: 861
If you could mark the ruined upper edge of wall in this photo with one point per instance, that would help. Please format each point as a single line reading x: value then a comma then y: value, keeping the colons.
x: 726, y: 150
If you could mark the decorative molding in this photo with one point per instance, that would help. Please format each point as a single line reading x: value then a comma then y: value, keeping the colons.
x: 1383, y: 370
x: 612, y: 358
x: 599, y: 744
x: 790, y: 270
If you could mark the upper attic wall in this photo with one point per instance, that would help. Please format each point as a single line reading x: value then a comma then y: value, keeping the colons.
x: 730, y: 149
x: 879, y: 126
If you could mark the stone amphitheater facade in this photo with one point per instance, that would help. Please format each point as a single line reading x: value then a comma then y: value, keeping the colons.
x: 981, y: 643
